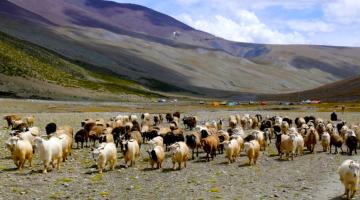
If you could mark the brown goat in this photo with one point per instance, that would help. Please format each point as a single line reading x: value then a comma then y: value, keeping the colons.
x: 10, y: 120
x: 311, y: 139
x: 210, y: 145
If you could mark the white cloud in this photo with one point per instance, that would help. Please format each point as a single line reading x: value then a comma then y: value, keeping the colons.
x: 245, y: 28
x: 343, y: 11
x: 187, y: 2
x: 314, y: 26
x: 254, y: 4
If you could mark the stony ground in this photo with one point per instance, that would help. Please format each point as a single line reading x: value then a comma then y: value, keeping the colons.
x: 312, y: 176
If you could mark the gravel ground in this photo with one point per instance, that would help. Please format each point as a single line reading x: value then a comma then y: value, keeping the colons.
x: 312, y: 176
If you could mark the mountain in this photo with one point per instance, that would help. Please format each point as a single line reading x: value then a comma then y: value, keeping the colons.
x: 163, y: 54
x: 340, y: 91
x: 30, y: 71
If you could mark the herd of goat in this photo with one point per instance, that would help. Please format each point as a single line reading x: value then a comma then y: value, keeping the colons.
x: 244, y: 133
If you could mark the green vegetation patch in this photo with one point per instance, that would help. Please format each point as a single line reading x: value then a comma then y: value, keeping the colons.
x: 23, y: 59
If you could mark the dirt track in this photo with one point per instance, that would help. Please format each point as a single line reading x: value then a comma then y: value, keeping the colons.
x: 312, y: 176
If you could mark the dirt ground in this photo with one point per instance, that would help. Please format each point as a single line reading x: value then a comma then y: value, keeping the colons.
x: 312, y: 176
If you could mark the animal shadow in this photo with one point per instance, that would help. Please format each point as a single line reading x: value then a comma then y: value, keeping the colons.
x: 337, y: 198
x: 244, y: 165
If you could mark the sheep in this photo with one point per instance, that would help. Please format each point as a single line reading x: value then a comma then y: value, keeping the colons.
x: 349, y: 172
x: 150, y: 133
x: 21, y: 150
x: 321, y: 128
x: 10, y: 120
x: 249, y: 138
x: 30, y: 121
x: 278, y: 120
x: 259, y: 136
x: 145, y: 117
x: 351, y: 142
x: 232, y: 150
x: 268, y: 134
x: 240, y: 141
x: 278, y: 136
x: 135, y: 126
x: 157, y: 141
x: 304, y: 130
x: 169, y: 117
x: 50, y: 128
x: 219, y: 125
x: 337, y: 141
x: 255, y: 122
x: 287, y: 146
x: 95, y: 133
x: 210, y: 144
x: 157, y: 155
x: 86, y: 121
x: 156, y: 120
x: 80, y: 137
x: 174, y: 123
x: 299, y: 122
x: 223, y: 136
x: 318, y: 121
x: 193, y: 142
x: 259, y: 117
x: 101, y: 122
x: 190, y: 122
x: 237, y: 131
x: 232, y: 121
x: 20, y: 125
x: 284, y: 127
x: 176, y: 114
x: 325, y: 141
x: 298, y: 141
x: 340, y: 125
x: 107, y: 135
x: 136, y: 135
x: 175, y: 135
x: 116, y: 132
x: 357, y: 133
x: 133, y: 118
x: 252, y: 150
x: 180, y: 153
x: 212, y: 125
x: 50, y: 151
x: 67, y: 130
x: 249, y: 123
x: 105, y: 154
x: 309, y: 119
x: 131, y: 151
x: 265, y: 124
x: 311, y: 139
x: 66, y: 143
x: 343, y: 132
x: 288, y: 120
x: 30, y: 134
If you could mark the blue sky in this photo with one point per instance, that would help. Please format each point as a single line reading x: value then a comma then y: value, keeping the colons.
x: 327, y: 22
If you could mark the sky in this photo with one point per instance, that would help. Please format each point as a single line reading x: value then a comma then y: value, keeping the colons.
x: 325, y: 22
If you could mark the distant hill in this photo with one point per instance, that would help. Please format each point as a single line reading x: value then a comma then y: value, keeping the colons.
x: 344, y: 90
x: 29, y: 71
x: 163, y: 54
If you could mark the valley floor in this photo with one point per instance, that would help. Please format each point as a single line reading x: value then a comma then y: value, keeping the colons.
x: 312, y: 176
